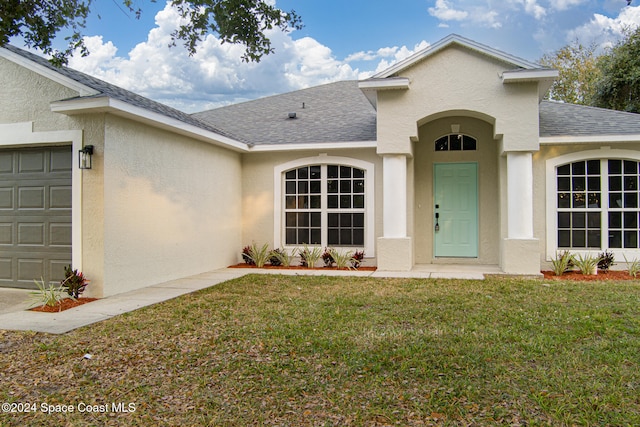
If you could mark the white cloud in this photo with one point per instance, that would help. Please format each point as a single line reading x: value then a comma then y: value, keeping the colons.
x: 385, y: 56
x: 534, y: 9
x: 488, y: 19
x: 444, y: 12
x: 215, y: 75
x: 605, y: 31
x: 565, y: 4
x: 465, y: 12
x: 394, y: 53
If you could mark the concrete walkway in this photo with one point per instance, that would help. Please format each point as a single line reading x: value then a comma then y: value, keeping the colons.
x: 14, y: 302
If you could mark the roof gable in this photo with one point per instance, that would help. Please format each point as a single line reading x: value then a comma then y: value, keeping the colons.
x: 91, y: 88
x: 456, y: 40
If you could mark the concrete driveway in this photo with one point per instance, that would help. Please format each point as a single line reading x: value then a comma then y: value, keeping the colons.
x: 12, y: 300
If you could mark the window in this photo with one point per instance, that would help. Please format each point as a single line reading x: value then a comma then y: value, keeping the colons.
x: 325, y: 201
x: 597, y: 204
x: 455, y: 142
x: 325, y: 204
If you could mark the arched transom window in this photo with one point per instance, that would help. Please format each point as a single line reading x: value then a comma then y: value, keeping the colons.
x: 456, y: 142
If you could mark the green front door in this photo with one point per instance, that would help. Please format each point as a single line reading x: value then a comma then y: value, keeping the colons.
x: 456, y: 208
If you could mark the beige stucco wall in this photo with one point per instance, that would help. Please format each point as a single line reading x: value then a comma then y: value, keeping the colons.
x: 25, y: 97
x: 258, y: 191
x: 171, y: 206
x: 458, y: 86
x: 156, y: 206
x: 486, y: 156
x: 457, y: 81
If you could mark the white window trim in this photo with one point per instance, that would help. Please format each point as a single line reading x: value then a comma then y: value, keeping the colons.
x: 369, y: 193
x: 552, y: 199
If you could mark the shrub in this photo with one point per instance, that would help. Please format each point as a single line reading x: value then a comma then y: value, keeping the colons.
x: 246, y: 255
x: 74, y: 282
x: 309, y: 258
x: 282, y: 257
x: 327, y: 257
x: 633, y: 267
x: 342, y: 259
x: 49, y: 296
x: 357, y: 259
x: 275, y: 257
x: 562, y: 263
x: 260, y: 255
x: 606, y: 261
x: 587, y: 264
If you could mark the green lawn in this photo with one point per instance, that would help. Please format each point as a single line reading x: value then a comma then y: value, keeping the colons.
x: 316, y: 351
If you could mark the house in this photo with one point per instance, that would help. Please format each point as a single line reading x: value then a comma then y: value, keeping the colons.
x: 450, y: 156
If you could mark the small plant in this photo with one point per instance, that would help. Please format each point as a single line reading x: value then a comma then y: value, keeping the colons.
x: 309, y: 258
x: 357, y: 259
x: 587, y: 264
x: 275, y: 257
x: 342, y: 259
x: 562, y: 263
x: 74, y: 282
x: 327, y: 257
x: 246, y: 255
x: 606, y: 260
x: 49, y: 296
x: 633, y: 267
x: 259, y: 256
x: 282, y: 257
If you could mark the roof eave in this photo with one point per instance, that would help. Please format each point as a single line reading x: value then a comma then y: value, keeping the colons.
x: 339, y: 145
x: 384, y: 84
x: 543, y: 76
x: 588, y: 139
x: 370, y: 87
x: 104, y: 104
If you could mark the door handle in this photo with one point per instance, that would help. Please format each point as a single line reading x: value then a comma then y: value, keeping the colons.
x: 437, y: 227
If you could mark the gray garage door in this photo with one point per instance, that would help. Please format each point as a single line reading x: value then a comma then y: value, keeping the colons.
x: 35, y: 215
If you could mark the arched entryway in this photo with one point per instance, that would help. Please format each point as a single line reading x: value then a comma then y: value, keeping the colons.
x: 457, y: 200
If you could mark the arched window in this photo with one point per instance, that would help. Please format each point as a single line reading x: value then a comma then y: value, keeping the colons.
x: 325, y: 201
x: 597, y: 204
x: 456, y: 142
x: 314, y: 191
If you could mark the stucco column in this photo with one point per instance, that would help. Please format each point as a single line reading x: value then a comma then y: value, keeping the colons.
x: 520, y: 250
x: 394, y: 187
x: 520, y: 195
x: 395, y: 249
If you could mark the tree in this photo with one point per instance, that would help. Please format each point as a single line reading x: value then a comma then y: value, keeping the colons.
x: 578, y: 72
x: 233, y: 21
x: 619, y: 84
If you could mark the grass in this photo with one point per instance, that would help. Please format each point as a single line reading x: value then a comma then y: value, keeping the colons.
x: 316, y: 351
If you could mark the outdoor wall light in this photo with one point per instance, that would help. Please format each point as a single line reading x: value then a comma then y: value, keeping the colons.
x: 84, y: 157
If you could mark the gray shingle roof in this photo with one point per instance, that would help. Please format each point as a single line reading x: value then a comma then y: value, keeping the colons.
x: 559, y: 119
x: 334, y: 112
x: 116, y: 92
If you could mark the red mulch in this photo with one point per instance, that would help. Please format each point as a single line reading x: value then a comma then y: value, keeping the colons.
x: 63, y: 305
x: 298, y: 267
x: 601, y: 276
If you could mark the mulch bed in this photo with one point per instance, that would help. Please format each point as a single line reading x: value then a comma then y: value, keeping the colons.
x: 63, y: 305
x: 297, y: 267
x: 601, y: 276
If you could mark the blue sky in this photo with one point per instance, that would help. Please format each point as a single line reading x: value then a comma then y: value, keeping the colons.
x: 345, y: 39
